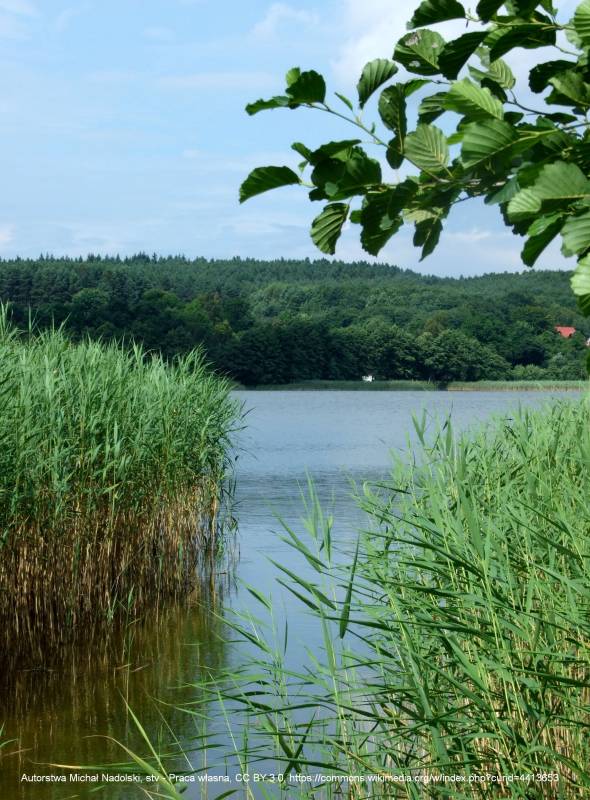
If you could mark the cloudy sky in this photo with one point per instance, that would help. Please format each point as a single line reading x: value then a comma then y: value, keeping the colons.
x: 122, y: 128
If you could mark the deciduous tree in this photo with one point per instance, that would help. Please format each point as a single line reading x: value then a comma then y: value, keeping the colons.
x: 478, y: 133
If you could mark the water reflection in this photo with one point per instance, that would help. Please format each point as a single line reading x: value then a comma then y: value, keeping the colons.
x: 65, y: 714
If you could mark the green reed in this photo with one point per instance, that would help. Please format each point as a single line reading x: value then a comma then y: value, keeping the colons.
x: 456, y: 640
x: 111, y: 470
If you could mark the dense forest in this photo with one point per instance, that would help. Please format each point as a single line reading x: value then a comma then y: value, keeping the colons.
x: 283, y: 321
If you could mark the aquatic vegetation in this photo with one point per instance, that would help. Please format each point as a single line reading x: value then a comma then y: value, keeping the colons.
x: 456, y: 640
x: 111, y: 470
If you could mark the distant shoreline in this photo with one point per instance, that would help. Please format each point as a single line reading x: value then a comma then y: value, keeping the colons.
x: 421, y: 386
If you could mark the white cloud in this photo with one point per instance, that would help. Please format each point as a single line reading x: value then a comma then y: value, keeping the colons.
x: 371, y: 29
x: 22, y: 7
x: 11, y: 28
x: 252, y: 81
x: 63, y: 20
x: 280, y: 13
x: 12, y: 24
x: 6, y: 234
x: 255, y: 225
x: 205, y: 161
x: 471, y: 236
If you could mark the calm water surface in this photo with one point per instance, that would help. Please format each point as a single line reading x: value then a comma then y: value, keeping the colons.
x: 62, y: 715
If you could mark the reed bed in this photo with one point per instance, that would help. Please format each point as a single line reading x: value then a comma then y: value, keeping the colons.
x: 456, y: 659
x: 111, y: 467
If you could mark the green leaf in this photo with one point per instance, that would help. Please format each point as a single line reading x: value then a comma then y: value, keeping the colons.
x: 430, y: 12
x: 465, y: 97
x: 499, y: 72
x: 341, y: 178
x: 581, y: 284
x: 539, y: 76
x: 345, y: 100
x: 582, y: 22
x: 394, y: 153
x: 414, y: 85
x: 562, y: 119
x: 345, y: 616
x: 558, y: 184
x: 327, y: 227
x: 401, y: 195
x: 419, y: 52
x: 541, y: 233
x: 495, y: 89
x: 522, y: 8
x: 427, y: 235
x: 573, y: 86
x: 263, y: 179
x: 292, y: 75
x: 265, y: 105
x: 374, y: 75
x: 486, y: 9
x: 431, y: 107
x: 332, y: 150
x: 302, y: 150
x: 576, y: 235
x: 378, y: 225
x: 528, y: 35
x: 455, y: 54
x: 505, y: 193
x: 485, y: 140
x: 392, y: 109
x: 307, y: 87
x: 427, y: 148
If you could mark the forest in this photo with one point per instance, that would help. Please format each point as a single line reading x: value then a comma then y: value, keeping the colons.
x: 262, y: 322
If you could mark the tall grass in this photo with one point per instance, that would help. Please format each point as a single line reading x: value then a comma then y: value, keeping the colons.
x: 111, y: 463
x: 456, y: 657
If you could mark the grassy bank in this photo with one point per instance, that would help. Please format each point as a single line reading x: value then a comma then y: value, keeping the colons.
x: 518, y: 386
x: 424, y: 386
x: 456, y: 640
x: 110, y: 473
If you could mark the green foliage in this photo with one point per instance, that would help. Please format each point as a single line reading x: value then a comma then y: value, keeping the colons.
x: 532, y: 162
x: 290, y: 321
x: 464, y: 615
x: 111, y: 460
x: 374, y: 75
x: 427, y: 148
x: 326, y: 228
x: 431, y: 11
x: 262, y: 179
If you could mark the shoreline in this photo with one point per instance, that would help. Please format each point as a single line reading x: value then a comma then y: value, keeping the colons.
x: 421, y: 386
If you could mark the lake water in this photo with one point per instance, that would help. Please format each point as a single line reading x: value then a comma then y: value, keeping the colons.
x: 62, y: 715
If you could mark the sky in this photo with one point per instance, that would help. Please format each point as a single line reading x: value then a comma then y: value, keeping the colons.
x: 122, y: 129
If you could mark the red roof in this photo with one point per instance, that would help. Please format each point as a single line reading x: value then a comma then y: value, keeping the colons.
x: 565, y: 331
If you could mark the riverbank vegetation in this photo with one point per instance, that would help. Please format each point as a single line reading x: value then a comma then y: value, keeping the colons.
x: 428, y: 386
x: 455, y: 641
x: 291, y: 321
x: 111, y: 470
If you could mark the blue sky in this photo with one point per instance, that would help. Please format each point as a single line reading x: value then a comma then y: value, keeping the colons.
x: 122, y: 128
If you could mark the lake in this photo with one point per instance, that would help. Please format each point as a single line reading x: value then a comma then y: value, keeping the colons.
x: 61, y: 715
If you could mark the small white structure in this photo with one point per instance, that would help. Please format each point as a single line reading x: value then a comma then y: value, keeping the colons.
x: 368, y: 378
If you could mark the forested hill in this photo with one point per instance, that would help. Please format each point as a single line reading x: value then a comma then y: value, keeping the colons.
x: 275, y: 322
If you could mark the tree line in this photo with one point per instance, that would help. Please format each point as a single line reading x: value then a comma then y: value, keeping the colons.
x: 264, y: 322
